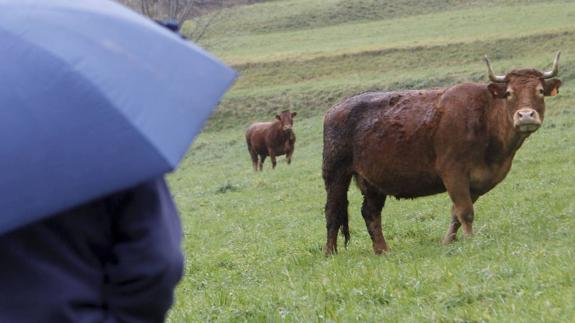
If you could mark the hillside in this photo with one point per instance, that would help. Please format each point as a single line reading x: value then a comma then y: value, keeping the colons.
x: 311, y: 68
x: 253, y: 241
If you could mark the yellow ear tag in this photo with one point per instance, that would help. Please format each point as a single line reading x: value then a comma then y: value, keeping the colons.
x: 554, y: 92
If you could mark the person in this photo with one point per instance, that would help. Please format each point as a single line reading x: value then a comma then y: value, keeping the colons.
x: 116, y: 259
x: 170, y: 24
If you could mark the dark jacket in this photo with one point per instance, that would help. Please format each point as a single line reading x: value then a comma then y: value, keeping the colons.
x: 113, y: 260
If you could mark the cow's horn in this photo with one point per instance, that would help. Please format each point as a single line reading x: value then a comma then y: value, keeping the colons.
x: 492, y: 76
x: 553, y: 72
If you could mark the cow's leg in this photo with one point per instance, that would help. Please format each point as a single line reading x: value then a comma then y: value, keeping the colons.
x: 273, y: 158
x: 462, y: 211
x: 288, y: 156
x: 336, y: 214
x: 451, y: 234
x: 254, y: 156
x: 262, y: 159
x: 373, y: 203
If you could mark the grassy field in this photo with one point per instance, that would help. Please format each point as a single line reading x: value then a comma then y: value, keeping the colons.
x: 445, y: 27
x: 253, y: 242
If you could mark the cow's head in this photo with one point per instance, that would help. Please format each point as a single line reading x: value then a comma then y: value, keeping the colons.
x: 524, y: 91
x: 286, y: 119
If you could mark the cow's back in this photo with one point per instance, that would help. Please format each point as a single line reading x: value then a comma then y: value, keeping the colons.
x: 256, y: 136
x: 386, y: 138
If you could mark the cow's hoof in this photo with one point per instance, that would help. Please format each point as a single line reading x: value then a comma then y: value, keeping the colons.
x: 380, y: 248
x: 468, y: 236
x: 329, y: 251
x: 381, y: 251
x: 448, y: 240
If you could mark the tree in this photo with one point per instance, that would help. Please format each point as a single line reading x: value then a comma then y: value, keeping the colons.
x: 181, y: 11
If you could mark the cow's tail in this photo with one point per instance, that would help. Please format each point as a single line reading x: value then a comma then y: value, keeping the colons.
x: 345, y: 227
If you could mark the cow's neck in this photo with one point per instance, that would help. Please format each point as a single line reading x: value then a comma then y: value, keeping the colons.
x: 279, y: 131
x: 504, y: 141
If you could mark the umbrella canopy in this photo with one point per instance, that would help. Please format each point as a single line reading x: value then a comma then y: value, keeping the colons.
x: 94, y: 98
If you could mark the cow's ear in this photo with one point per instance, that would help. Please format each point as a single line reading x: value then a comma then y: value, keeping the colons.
x: 552, y: 87
x: 293, y: 114
x: 278, y: 117
x: 497, y: 90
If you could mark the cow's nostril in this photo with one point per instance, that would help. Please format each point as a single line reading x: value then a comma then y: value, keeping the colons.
x: 526, y: 114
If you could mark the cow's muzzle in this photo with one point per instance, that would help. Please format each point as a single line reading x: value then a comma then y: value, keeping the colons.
x: 526, y: 120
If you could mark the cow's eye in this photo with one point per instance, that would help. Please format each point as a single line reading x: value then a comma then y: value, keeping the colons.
x: 508, y: 94
x: 541, y: 92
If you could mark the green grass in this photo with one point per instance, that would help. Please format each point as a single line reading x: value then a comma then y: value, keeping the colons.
x: 407, y: 32
x: 291, y: 15
x: 253, y: 240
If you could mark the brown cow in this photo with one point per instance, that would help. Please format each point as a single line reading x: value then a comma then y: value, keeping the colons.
x: 408, y: 144
x: 272, y: 139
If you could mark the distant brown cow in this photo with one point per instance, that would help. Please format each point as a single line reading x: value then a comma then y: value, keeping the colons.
x: 408, y: 144
x: 272, y: 139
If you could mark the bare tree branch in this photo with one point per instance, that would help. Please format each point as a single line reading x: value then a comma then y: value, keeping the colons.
x: 197, y: 33
x: 181, y: 11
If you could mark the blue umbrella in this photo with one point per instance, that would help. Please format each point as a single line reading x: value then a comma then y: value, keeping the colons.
x: 94, y: 98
